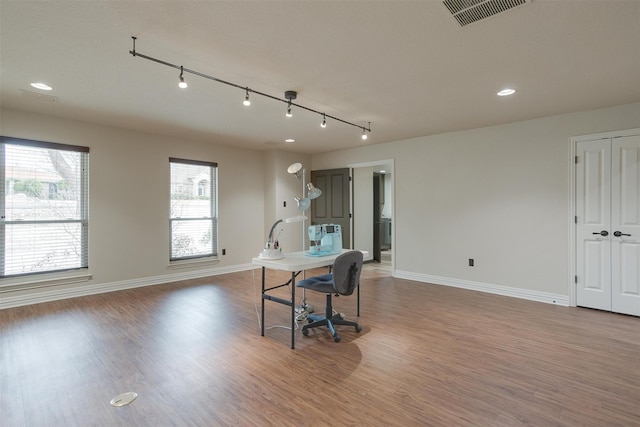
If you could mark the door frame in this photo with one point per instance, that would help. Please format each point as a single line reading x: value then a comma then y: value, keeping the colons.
x: 573, y: 144
x: 389, y: 164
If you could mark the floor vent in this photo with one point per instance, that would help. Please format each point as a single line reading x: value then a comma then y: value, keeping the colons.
x: 469, y: 11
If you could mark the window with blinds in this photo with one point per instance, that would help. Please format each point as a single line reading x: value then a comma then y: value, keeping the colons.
x: 43, y: 207
x: 193, y: 221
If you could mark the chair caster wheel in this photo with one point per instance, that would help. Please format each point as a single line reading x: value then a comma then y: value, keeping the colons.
x: 305, y: 332
x: 358, y: 328
x: 336, y: 338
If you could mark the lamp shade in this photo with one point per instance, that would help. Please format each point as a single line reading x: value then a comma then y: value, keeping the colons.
x: 313, y: 192
x: 295, y: 169
x: 298, y: 218
x: 303, y: 204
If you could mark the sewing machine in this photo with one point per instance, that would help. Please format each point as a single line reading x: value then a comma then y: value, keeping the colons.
x: 326, y: 239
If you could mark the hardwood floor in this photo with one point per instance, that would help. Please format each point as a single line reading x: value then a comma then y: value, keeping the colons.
x: 427, y: 355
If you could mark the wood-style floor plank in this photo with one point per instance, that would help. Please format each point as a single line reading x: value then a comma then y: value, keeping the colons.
x: 427, y: 355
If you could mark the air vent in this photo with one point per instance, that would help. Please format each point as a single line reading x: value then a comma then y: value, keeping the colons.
x: 469, y: 11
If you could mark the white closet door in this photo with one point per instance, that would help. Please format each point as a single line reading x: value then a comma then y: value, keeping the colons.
x: 593, y: 240
x: 608, y: 224
x: 625, y: 225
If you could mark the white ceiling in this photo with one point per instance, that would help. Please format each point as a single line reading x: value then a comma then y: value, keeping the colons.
x: 405, y: 66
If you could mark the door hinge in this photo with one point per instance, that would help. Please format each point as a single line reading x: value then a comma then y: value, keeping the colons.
x: 350, y: 216
x: 575, y: 279
x: 576, y: 160
x: 575, y: 219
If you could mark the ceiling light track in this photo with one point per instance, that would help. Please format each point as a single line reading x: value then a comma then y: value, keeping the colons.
x: 289, y: 95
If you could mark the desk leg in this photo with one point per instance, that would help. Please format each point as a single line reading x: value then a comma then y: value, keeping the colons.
x: 293, y: 309
x: 262, y: 302
x: 358, y: 301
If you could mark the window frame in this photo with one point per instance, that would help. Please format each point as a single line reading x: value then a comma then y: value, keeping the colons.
x: 213, y: 209
x: 83, y: 220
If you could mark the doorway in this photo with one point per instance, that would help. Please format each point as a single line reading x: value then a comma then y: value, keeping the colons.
x: 382, y: 219
x: 607, y: 222
x: 364, y: 212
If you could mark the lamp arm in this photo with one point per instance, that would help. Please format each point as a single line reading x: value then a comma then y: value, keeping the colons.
x: 273, y: 228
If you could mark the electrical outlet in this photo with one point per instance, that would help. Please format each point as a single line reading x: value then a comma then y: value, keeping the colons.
x: 471, y: 262
x: 224, y: 252
x: 285, y: 203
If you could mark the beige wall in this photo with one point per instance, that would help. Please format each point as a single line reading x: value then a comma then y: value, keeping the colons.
x: 363, y: 210
x: 498, y: 194
x: 128, y: 206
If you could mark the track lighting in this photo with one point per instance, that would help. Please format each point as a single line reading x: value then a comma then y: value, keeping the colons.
x: 182, y: 84
x: 289, y: 95
x: 246, y: 101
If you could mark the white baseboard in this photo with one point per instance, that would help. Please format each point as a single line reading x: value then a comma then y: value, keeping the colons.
x: 486, y: 287
x: 58, y: 292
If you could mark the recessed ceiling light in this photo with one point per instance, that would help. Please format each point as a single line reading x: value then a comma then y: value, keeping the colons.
x: 41, y: 86
x: 506, y: 92
x: 289, y: 140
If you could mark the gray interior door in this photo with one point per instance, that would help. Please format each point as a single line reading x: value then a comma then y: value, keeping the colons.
x: 332, y: 207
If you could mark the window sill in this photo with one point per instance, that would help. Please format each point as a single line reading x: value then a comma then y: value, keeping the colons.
x: 194, y: 262
x: 44, y: 280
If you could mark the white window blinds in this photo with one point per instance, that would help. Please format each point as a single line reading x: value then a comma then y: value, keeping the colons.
x: 193, y: 221
x: 43, y: 207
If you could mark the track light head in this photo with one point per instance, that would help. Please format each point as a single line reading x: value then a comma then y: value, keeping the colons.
x: 246, y: 101
x: 290, y: 95
x: 182, y: 84
x: 324, y: 121
x: 364, y: 133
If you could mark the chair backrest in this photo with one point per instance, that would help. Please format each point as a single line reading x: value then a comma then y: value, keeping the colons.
x: 346, y: 272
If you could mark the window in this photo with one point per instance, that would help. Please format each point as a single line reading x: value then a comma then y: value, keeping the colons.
x: 43, y: 207
x: 194, y: 210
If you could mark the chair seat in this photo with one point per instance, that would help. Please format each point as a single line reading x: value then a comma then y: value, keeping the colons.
x: 323, y: 283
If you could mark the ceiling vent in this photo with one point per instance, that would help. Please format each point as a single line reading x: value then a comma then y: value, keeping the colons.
x: 469, y: 11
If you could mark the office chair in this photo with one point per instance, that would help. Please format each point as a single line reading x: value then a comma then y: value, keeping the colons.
x: 343, y: 280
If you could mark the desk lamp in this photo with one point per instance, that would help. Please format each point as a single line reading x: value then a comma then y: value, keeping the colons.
x: 272, y: 248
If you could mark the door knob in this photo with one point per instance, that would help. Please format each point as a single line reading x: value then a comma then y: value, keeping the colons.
x: 604, y: 233
x: 619, y: 233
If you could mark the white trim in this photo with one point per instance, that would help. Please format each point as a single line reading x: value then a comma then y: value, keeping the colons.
x: 573, y: 144
x: 98, y: 288
x: 507, y: 291
x: 193, y: 262
x: 571, y: 284
x: 41, y: 280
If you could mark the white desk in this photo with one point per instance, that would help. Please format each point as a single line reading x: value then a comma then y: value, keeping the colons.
x: 293, y: 262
